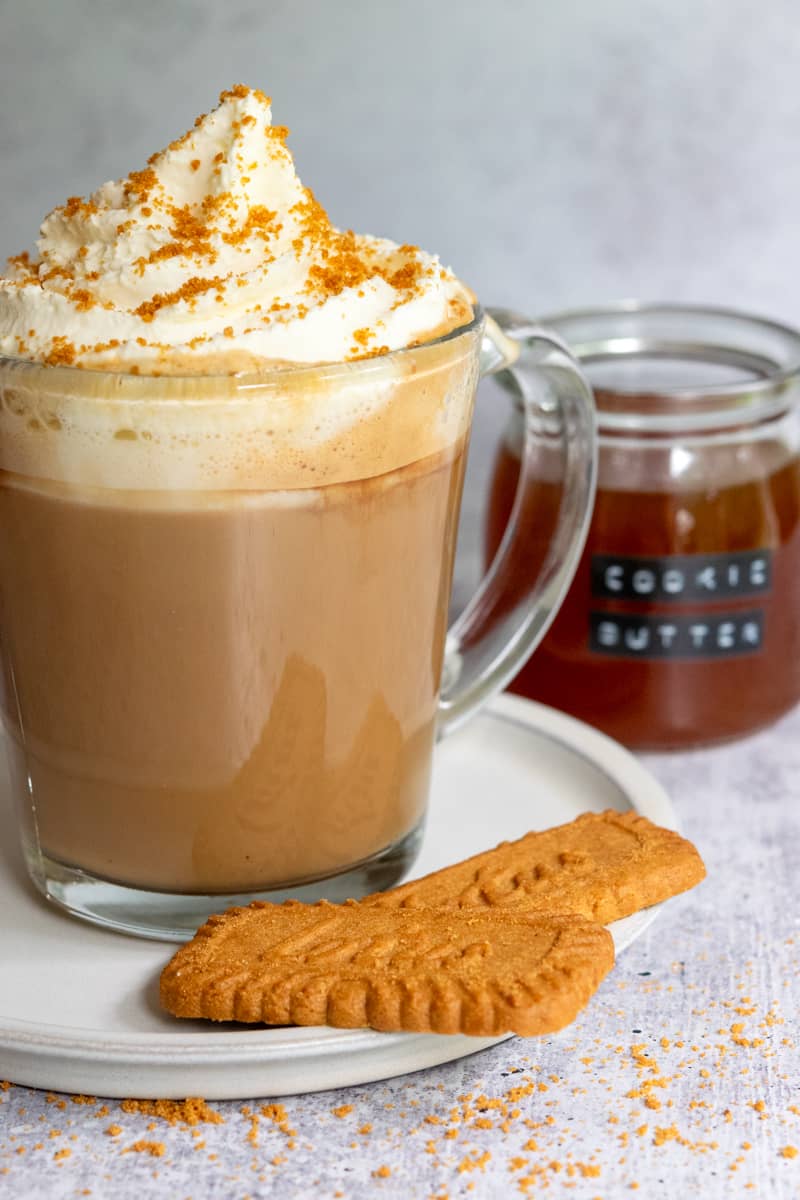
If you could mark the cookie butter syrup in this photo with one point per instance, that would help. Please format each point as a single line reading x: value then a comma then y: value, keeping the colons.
x: 225, y: 565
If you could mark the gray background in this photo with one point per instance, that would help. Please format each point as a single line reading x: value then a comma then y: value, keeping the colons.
x: 554, y: 152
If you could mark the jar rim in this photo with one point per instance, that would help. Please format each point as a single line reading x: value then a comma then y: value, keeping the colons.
x: 765, y: 354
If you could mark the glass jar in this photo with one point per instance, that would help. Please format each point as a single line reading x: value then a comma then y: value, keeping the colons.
x: 682, y: 624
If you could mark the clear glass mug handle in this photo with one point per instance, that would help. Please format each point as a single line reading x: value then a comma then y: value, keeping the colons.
x: 499, y: 628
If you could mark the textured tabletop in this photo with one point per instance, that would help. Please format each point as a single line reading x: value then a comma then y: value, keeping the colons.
x: 681, y: 1079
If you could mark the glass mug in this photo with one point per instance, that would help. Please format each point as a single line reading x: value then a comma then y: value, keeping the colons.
x: 223, y: 607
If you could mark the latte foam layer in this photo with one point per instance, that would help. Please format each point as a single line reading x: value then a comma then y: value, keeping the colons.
x: 291, y: 429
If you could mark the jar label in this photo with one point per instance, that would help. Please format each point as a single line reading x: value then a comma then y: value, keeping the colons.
x: 710, y: 635
x: 679, y: 577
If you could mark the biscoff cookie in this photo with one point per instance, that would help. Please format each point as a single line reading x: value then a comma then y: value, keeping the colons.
x: 602, y: 866
x: 482, y: 973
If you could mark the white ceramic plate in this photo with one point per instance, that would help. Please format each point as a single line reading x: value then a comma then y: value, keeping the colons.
x: 79, y: 1005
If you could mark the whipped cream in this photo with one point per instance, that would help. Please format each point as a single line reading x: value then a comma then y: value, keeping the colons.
x: 216, y: 258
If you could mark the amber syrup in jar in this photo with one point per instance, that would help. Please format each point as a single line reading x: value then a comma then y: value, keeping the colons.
x: 682, y: 624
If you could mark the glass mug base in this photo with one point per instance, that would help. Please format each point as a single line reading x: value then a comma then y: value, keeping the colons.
x: 173, y: 917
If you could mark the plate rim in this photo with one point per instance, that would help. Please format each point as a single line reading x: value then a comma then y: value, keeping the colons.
x: 558, y: 726
x: 263, y: 1046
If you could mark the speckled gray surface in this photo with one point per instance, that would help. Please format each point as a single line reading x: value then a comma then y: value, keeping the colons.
x: 683, y: 1075
x: 556, y: 155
